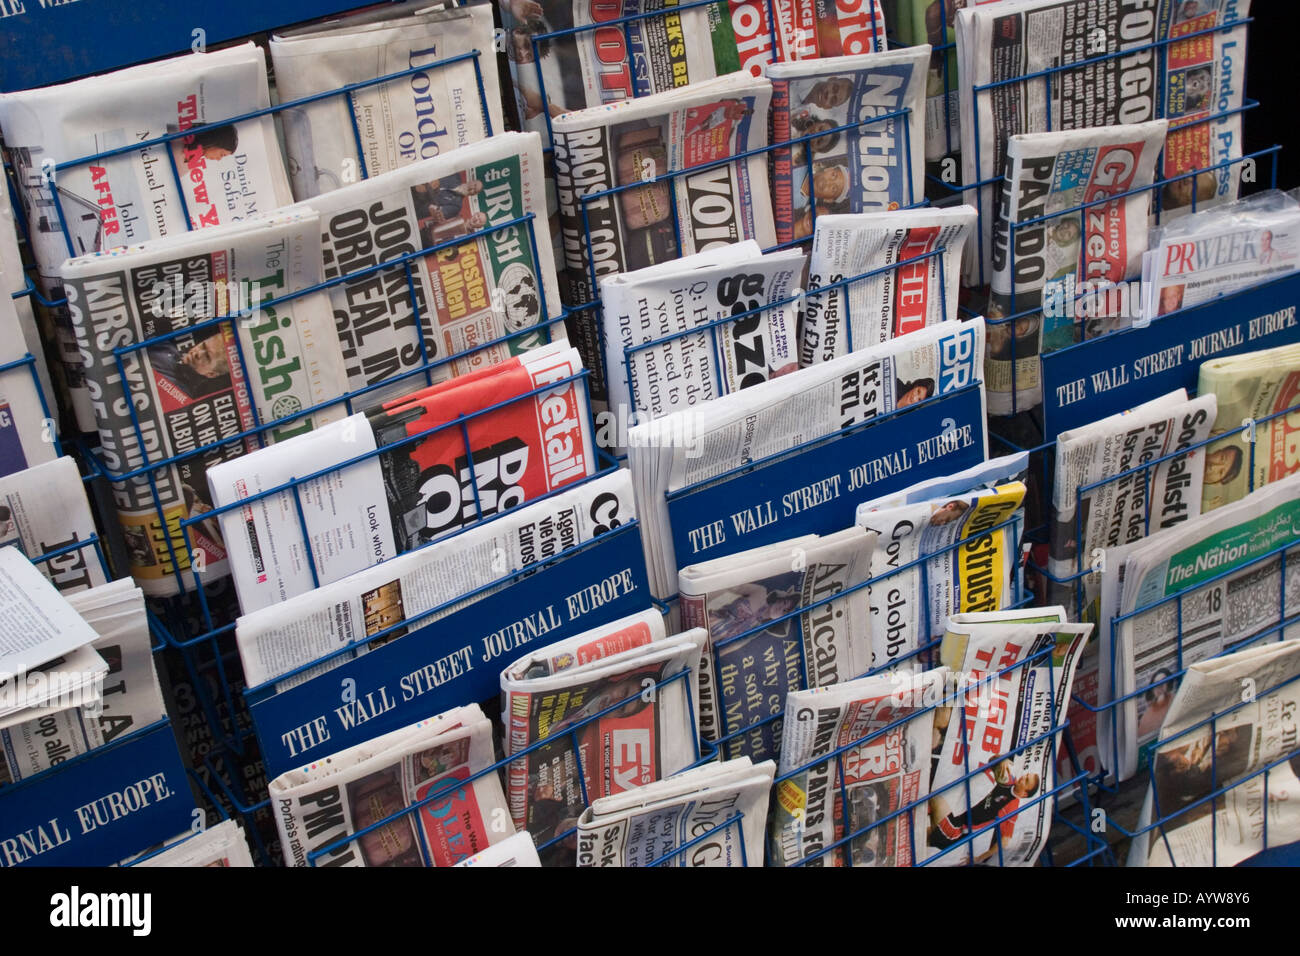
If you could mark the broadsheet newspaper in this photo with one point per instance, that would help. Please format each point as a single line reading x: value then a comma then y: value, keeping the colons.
x: 855, y: 771
x: 1192, y: 592
x: 131, y: 699
x: 719, y: 808
x: 755, y: 654
x: 223, y: 845
x: 1141, y: 502
x: 1260, y: 387
x: 1252, y: 733
x: 420, y: 487
x: 995, y: 774
x: 293, y: 633
x: 1053, y: 255
x: 814, y: 29
x: 654, y: 305
x: 1198, y: 258
x: 607, y: 64
x: 27, y: 430
x: 1192, y: 79
x: 331, y: 800
x: 874, y: 167
x: 222, y: 175
x: 627, y: 143
x: 607, y: 724
x: 413, y: 117
x: 898, y: 300
x: 910, y: 606
x: 772, y: 417
x: 466, y: 295
x: 195, y: 388
x: 44, y: 509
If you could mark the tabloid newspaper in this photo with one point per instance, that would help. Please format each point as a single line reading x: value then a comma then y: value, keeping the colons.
x: 222, y: 845
x: 130, y: 699
x: 44, y: 509
x: 179, y: 396
x: 1054, y: 255
x: 517, y: 850
x: 1251, y: 388
x: 721, y: 808
x: 756, y: 654
x: 1197, y: 258
x: 413, y: 117
x: 855, y: 771
x: 873, y: 167
x: 814, y: 29
x: 1184, y: 82
x: 607, y: 725
x: 654, y: 305
x: 909, y: 607
x: 27, y: 429
x: 222, y: 175
x: 772, y: 417
x: 427, y: 481
x: 1230, y: 591
x: 1140, y: 501
x: 993, y: 780
x: 467, y: 294
x: 619, y: 61
x: 623, y: 144
x: 898, y: 300
x: 1195, y: 759
x: 290, y: 634
x: 331, y: 800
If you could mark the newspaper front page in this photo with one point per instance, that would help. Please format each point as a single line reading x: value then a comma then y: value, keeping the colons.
x: 44, y: 509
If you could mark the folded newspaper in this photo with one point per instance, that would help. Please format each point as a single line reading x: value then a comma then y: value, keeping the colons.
x: 1198, y: 258
x: 331, y: 800
x: 290, y: 634
x: 430, y: 306
x: 1249, y: 747
x: 613, y: 709
x: 1189, y: 594
x: 27, y: 425
x: 813, y: 29
x: 1261, y: 391
x: 765, y: 636
x: 1187, y: 82
x: 605, y: 152
x: 555, y: 71
x: 656, y: 307
x: 517, y: 850
x: 855, y: 772
x: 190, y: 389
x: 899, y: 300
x: 223, y: 845
x: 13, y: 279
x: 992, y: 790
x: 875, y: 164
x: 777, y: 415
x: 219, y: 175
x: 932, y: 22
x: 1091, y: 521
x: 44, y: 510
x: 713, y: 816
x: 973, y: 538
x: 433, y: 108
x: 422, y: 480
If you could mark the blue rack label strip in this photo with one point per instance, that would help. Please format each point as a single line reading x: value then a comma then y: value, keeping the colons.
x: 1091, y: 380
x: 818, y: 490
x: 100, y: 809
x: 455, y: 659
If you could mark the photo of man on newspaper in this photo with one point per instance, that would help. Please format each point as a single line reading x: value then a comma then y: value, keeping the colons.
x: 445, y: 208
x: 997, y: 806
x: 187, y: 372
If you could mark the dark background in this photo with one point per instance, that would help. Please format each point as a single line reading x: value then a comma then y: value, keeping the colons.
x: 1272, y: 67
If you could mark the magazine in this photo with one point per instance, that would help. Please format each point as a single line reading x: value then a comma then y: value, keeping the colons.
x: 330, y: 800
x: 893, y: 303
x: 715, y: 814
x: 416, y: 116
x: 868, y: 167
